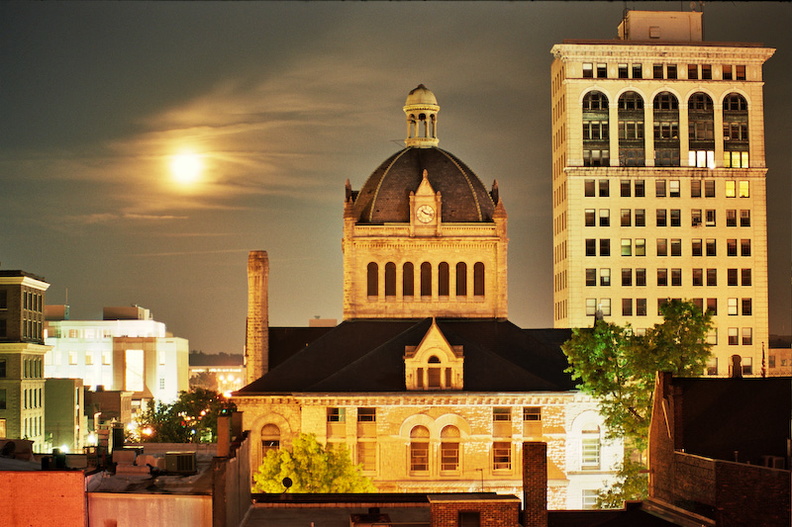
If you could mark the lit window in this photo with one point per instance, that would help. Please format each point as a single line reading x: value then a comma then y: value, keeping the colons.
x: 605, y: 277
x: 744, y: 191
x: 731, y: 307
x: 590, y: 449
x: 731, y: 189
x: 626, y: 247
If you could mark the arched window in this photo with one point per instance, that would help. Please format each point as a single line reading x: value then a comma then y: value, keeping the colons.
x: 631, y: 130
x: 449, y: 449
x: 434, y: 373
x: 408, y: 279
x: 461, y: 279
x: 372, y: 279
x: 443, y: 278
x: 478, y: 279
x: 390, y: 279
x: 590, y: 448
x: 426, y: 279
x: 735, y: 131
x: 596, y: 130
x: 701, y: 131
x: 666, y: 129
x: 270, y: 439
x: 419, y: 449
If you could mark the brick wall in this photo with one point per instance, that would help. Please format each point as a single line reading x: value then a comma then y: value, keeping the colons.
x: 535, y: 484
x: 493, y: 513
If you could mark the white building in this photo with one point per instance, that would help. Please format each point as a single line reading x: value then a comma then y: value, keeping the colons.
x: 127, y: 351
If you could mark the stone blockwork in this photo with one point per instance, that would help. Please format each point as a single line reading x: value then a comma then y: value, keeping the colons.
x: 465, y: 419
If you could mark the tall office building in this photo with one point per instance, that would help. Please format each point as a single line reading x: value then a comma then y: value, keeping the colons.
x: 659, y: 181
x: 22, y: 352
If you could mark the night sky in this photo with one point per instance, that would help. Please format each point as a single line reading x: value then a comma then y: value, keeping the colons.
x: 283, y: 102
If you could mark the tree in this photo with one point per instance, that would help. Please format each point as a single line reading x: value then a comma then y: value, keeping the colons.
x: 192, y: 418
x: 311, y: 468
x: 619, y: 367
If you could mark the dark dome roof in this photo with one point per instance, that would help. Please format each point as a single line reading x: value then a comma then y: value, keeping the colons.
x: 385, y: 197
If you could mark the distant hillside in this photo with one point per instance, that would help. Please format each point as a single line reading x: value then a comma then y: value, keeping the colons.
x: 199, y: 358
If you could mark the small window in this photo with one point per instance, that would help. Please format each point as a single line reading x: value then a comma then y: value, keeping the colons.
x: 604, y: 217
x: 692, y: 71
x: 625, y: 188
x: 588, y: 70
x: 604, y: 247
x: 640, y: 188
x: 657, y: 71
x: 640, y: 217
x: 627, y: 307
x: 626, y: 217
x: 697, y: 248
x: 591, y: 277
x: 501, y: 414
x: 745, y: 247
x: 367, y: 415
x: 671, y: 71
x: 626, y: 277
x: 695, y: 188
x: 589, y: 217
x: 746, y: 277
x: 711, y: 247
x: 626, y: 247
x: 660, y: 188
x: 589, y: 187
x: 709, y: 188
x: 336, y: 415
x: 605, y: 277
x: 637, y: 71
x: 602, y: 71
x: 532, y: 413
x: 640, y: 277
x: 640, y: 307
x: 501, y: 456
x: 712, y: 277
x: 623, y: 71
x: 604, y: 188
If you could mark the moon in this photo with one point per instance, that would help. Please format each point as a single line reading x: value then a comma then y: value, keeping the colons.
x: 186, y: 167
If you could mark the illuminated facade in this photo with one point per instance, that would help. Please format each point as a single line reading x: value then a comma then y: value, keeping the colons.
x: 22, y: 352
x: 128, y: 351
x: 426, y: 382
x: 659, y: 181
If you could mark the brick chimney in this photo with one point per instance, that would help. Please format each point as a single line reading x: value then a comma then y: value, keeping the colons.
x: 535, y: 484
x: 257, y: 327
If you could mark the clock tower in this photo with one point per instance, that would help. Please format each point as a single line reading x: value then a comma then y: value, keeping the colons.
x: 423, y: 237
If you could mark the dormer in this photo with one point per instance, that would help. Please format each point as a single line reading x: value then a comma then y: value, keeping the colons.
x: 433, y: 364
x: 425, y: 209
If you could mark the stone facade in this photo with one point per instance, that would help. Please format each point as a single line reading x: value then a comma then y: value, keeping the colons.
x: 466, y: 435
x: 659, y: 182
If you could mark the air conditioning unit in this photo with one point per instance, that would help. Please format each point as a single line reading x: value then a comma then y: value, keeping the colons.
x: 180, y: 462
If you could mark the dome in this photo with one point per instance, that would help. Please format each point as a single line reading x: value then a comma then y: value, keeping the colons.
x: 385, y: 197
x: 421, y: 95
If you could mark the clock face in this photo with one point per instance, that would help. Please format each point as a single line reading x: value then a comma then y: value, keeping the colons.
x: 425, y: 213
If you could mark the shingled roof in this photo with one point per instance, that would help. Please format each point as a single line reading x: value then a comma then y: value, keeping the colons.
x: 368, y: 356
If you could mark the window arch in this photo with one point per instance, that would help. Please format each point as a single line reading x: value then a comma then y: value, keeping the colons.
x: 372, y: 279
x: 478, y: 279
x: 461, y: 279
x: 419, y: 449
x: 270, y: 439
x: 426, y: 279
x: 735, y: 131
x: 701, y: 131
x: 596, y: 129
x: 631, y: 130
x: 449, y: 449
x: 443, y: 278
x: 666, y: 129
x: 390, y: 279
x: 408, y: 279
